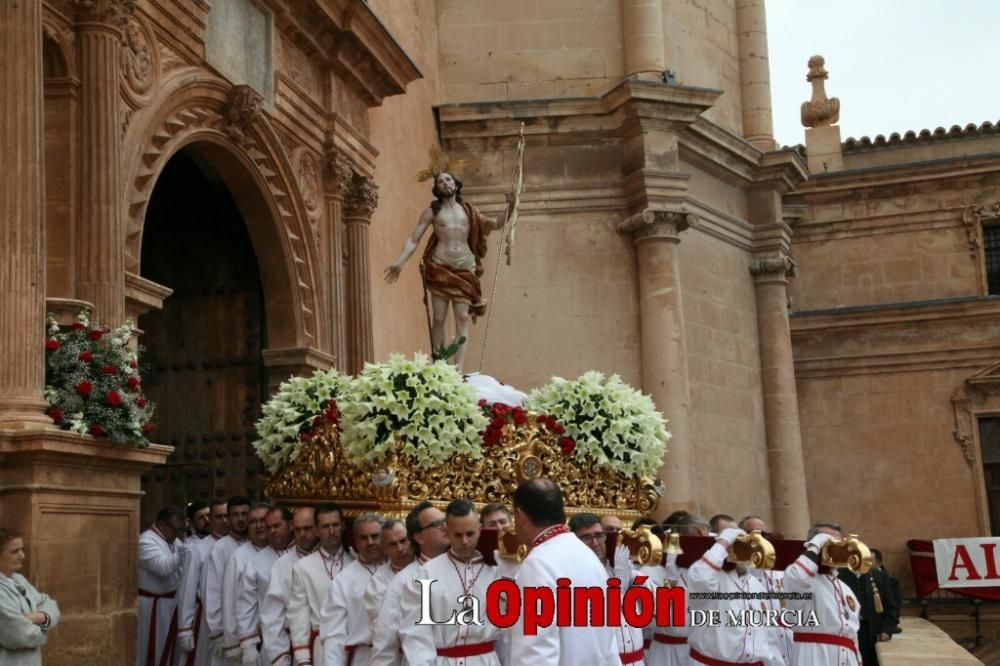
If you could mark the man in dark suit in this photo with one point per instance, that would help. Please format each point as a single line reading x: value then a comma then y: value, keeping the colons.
x: 875, y: 626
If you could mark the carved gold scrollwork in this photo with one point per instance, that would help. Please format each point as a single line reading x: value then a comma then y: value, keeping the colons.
x: 323, y: 472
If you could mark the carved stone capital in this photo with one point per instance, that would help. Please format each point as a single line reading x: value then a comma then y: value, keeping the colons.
x: 766, y: 269
x: 661, y: 225
x: 111, y: 12
x: 362, y: 198
x: 340, y: 173
x: 242, y: 109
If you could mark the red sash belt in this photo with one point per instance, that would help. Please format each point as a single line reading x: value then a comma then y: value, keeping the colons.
x: 471, y: 650
x: 712, y: 661
x: 825, y: 639
x: 350, y: 651
x: 313, y: 635
x: 630, y: 657
x: 197, y: 629
x: 670, y: 640
x: 168, y: 647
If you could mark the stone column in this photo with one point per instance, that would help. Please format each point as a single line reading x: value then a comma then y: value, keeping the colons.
x: 101, y: 245
x: 340, y: 176
x: 790, y: 504
x: 361, y: 203
x: 755, y: 77
x: 642, y: 28
x: 656, y: 235
x: 22, y: 274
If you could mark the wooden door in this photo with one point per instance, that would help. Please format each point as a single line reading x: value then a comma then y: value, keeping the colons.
x: 201, y: 358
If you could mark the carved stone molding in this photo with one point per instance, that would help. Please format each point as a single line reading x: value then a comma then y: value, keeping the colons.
x: 169, y: 59
x: 980, y: 393
x: 769, y: 268
x: 307, y: 172
x: 112, y: 12
x: 340, y: 172
x: 973, y: 218
x: 362, y: 199
x: 139, y: 59
x: 661, y: 225
x: 243, y: 108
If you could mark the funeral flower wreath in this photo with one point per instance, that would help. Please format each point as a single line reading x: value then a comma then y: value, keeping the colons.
x: 92, y: 382
x: 290, y: 417
x: 611, y: 423
x: 426, y: 407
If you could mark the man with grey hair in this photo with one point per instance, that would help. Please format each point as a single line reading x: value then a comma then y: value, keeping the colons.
x: 835, y: 641
x: 344, y: 627
x: 398, y: 551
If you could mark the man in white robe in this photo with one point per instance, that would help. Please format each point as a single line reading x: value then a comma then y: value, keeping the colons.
x: 453, y: 583
x: 835, y: 641
x: 668, y: 645
x: 727, y: 643
x: 495, y: 516
x: 425, y: 525
x: 192, y: 631
x: 159, y: 578
x: 236, y: 568
x: 589, y: 529
x: 773, y: 582
x: 344, y: 626
x: 539, y: 518
x: 199, y: 522
x: 311, y: 578
x: 212, y: 577
x: 253, y: 583
x: 396, y: 546
x: 273, y: 625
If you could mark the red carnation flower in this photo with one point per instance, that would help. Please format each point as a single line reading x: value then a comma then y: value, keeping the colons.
x: 96, y: 430
x: 51, y: 344
x: 520, y: 418
x: 84, y: 388
x: 305, y: 436
x: 148, y: 429
x: 86, y: 357
x: 133, y: 382
x: 110, y: 370
x: 558, y: 428
x: 482, y: 403
x: 96, y: 335
x: 141, y: 402
x: 567, y: 444
x: 113, y: 398
x: 78, y: 326
x: 56, y: 415
x: 132, y: 364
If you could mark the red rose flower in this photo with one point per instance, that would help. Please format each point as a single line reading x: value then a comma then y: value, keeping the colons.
x: 148, y: 429
x: 558, y: 428
x: 141, y: 402
x: 500, y: 409
x: 96, y: 335
x: 482, y: 403
x: 96, y: 430
x: 84, y: 388
x: 51, y: 344
x: 132, y: 364
x: 113, y: 398
x: 305, y: 436
x: 110, y: 370
x: 133, y: 383
x: 56, y: 415
x: 78, y: 326
x: 520, y: 418
x: 567, y: 444
x: 86, y: 357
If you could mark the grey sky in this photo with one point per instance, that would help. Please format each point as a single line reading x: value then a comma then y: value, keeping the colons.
x: 896, y: 65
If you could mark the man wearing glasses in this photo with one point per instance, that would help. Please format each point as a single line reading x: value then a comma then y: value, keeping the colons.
x: 426, y: 526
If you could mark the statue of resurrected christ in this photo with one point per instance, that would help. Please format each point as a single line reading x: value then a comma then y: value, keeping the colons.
x: 452, y: 262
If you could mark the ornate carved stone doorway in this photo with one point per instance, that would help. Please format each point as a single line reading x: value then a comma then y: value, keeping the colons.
x: 202, y: 358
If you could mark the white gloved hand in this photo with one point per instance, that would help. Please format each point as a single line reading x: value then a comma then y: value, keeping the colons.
x: 622, y: 567
x: 216, y: 646
x: 250, y: 655
x: 283, y: 660
x: 506, y: 568
x: 729, y: 535
x: 818, y: 541
x: 233, y: 654
x: 185, y: 642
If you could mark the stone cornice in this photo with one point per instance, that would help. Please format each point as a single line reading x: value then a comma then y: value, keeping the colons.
x: 893, y: 362
x: 894, y: 315
x: 868, y: 180
x: 348, y: 37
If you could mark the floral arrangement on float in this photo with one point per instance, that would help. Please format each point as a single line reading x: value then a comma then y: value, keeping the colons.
x: 300, y: 407
x: 606, y: 422
x: 422, y: 408
x: 92, y: 382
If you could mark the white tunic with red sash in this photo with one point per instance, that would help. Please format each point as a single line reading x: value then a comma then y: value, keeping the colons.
x: 668, y: 646
x: 386, y: 649
x: 190, y: 612
x: 834, y: 641
x: 159, y: 577
x: 311, y: 578
x: 273, y: 624
x: 344, y: 626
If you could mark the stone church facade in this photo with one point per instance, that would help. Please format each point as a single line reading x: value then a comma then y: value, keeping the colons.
x: 815, y: 323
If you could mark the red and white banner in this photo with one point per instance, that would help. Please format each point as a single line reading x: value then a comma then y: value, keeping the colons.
x: 968, y: 562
